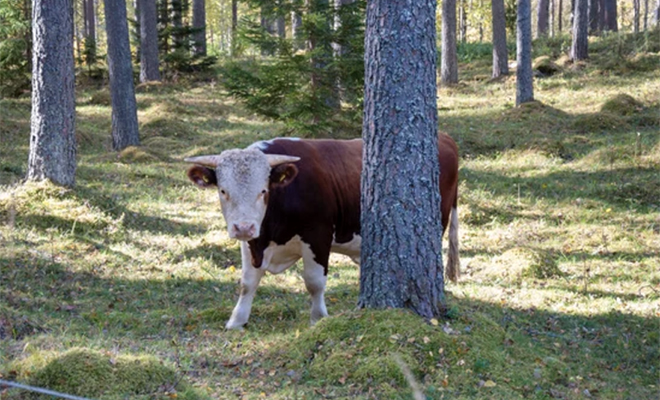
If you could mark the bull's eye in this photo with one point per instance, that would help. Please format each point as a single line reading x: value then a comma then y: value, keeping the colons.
x: 264, y: 191
x: 223, y: 191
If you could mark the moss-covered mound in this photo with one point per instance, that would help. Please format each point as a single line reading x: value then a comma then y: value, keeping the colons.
x: 134, y: 154
x: 545, y: 66
x: 622, y: 104
x: 93, y: 374
x: 359, y: 350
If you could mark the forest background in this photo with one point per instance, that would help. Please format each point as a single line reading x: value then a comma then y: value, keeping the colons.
x: 130, y: 272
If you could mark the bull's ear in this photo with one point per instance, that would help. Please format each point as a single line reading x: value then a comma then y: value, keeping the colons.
x: 282, y: 175
x: 202, y: 176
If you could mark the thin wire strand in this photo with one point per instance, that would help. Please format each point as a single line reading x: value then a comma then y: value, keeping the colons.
x: 41, y: 390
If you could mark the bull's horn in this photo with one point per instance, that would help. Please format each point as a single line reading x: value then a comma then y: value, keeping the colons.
x: 277, y: 159
x: 207, y: 161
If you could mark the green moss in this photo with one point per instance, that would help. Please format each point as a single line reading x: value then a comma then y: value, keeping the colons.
x: 100, y: 98
x: 133, y: 154
x: 598, y: 122
x: 622, y: 104
x: 90, y: 373
x: 545, y: 66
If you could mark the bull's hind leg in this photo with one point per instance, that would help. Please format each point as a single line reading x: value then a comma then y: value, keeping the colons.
x: 315, y: 279
x: 250, y: 279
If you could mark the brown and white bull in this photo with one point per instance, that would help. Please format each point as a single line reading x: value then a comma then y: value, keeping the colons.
x: 287, y: 199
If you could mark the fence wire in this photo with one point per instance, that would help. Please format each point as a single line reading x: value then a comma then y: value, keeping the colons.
x: 40, y: 390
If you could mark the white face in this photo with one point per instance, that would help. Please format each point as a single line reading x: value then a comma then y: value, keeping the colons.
x: 243, y: 187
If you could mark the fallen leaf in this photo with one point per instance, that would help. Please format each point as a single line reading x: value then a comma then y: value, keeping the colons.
x: 489, y: 384
x: 434, y: 322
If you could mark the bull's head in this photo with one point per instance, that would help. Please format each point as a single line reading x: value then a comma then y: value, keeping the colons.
x: 244, y: 179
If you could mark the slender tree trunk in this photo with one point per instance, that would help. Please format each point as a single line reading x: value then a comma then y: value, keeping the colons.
x: 611, y: 23
x: 234, y: 26
x: 52, y: 125
x: 656, y: 13
x: 500, y: 51
x: 646, y: 15
x: 90, y: 19
x: 27, y: 9
x: 524, y: 83
x: 449, y: 58
x: 579, y: 48
x: 636, y: 16
x: 463, y: 21
x: 543, y: 13
x: 323, y: 81
x: 177, y: 24
x: 594, y: 27
x: 122, y: 92
x: 164, y: 22
x: 401, y: 248
x: 296, y: 25
x: 560, y: 16
x: 148, y: 41
x: 339, y: 48
x: 199, y: 23
x: 601, y: 16
x: 552, y: 18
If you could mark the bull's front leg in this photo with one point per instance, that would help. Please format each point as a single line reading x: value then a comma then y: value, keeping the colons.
x: 315, y: 280
x: 250, y: 279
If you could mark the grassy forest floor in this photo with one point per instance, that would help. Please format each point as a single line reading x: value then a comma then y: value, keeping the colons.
x: 121, y: 286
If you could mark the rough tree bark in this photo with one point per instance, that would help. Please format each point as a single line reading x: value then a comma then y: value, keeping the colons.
x: 524, y: 82
x: 148, y: 41
x: 52, y: 125
x: 500, y: 51
x: 543, y: 16
x: 579, y: 47
x: 449, y: 58
x: 401, y: 249
x: 636, y: 16
x: 199, y: 23
x: 122, y: 91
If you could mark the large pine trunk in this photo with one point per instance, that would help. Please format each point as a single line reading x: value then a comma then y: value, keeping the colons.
x: 579, y: 47
x: 52, y: 126
x: 524, y: 83
x: 199, y: 24
x: 401, y: 229
x: 122, y: 91
x: 500, y: 51
x: 148, y: 41
x: 449, y: 58
x: 543, y: 17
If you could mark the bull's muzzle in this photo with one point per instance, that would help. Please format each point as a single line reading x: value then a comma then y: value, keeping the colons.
x: 243, y: 231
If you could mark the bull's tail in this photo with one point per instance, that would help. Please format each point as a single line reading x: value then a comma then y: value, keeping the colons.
x: 453, y: 263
